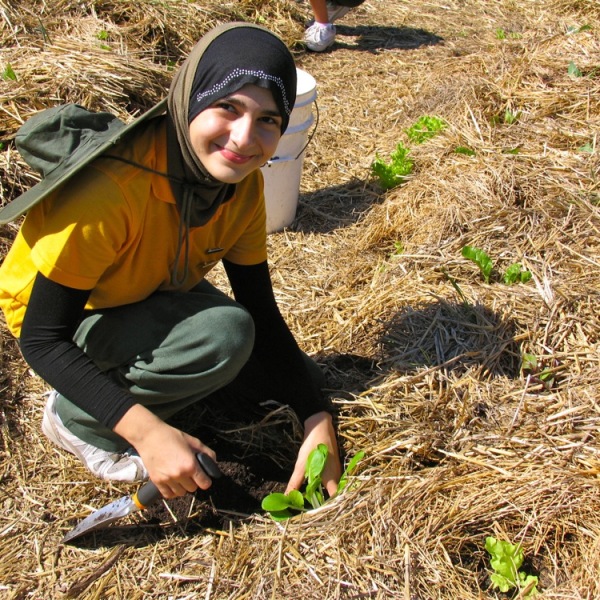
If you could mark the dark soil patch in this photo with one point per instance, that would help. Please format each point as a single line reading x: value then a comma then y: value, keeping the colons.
x: 234, y: 497
x: 249, y: 457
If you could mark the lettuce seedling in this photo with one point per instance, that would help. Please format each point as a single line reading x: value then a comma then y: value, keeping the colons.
x: 464, y: 150
x: 537, y: 372
x: 283, y: 506
x: 573, y: 70
x: 9, y: 73
x: 481, y: 259
x: 506, y: 560
x: 394, y: 172
x: 516, y: 274
x: 424, y: 129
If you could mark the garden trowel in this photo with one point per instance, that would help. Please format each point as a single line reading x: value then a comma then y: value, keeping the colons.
x: 147, y: 495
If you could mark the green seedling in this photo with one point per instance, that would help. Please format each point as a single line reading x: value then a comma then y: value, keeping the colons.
x: 398, y: 249
x: 506, y: 559
x: 103, y: 37
x: 481, y: 259
x: 464, y: 150
x: 393, y: 173
x: 425, y: 128
x: 283, y: 506
x: 9, y: 73
x: 456, y: 287
x: 511, y: 116
x: 587, y: 147
x: 536, y: 371
x: 573, y: 30
x: 574, y: 71
x: 516, y: 274
x: 502, y: 35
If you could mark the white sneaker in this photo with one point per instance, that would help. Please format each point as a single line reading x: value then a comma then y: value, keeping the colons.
x: 335, y: 11
x: 112, y: 466
x: 319, y: 37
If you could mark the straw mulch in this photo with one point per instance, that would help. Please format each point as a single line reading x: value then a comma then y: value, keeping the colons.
x: 424, y: 357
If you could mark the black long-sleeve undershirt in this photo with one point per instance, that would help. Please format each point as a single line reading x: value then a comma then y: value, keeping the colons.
x: 51, y: 320
x: 274, y: 344
x: 55, y: 311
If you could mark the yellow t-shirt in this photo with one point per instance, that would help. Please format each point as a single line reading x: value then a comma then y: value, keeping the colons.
x: 114, y: 229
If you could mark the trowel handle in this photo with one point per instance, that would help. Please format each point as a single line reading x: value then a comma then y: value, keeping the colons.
x: 148, y: 494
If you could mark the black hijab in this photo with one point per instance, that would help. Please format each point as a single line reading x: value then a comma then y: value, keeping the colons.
x: 222, y: 62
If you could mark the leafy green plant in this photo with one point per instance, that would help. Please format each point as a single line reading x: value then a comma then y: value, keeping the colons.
x: 425, y: 128
x: 511, y: 116
x: 394, y: 172
x: 9, y: 73
x: 398, y: 249
x: 343, y: 484
x: 283, y: 506
x: 506, y: 559
x: 481, y: 259
x: 516, y: 274
x: 464, y: 150
x: 573, y: 29
x: 502, y: 35
x: 537, y: 371
x: 573, y: 70
x: 513, y: 274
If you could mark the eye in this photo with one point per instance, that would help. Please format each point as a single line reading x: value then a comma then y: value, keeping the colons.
x: 224, y: 105
x: 270, y: 120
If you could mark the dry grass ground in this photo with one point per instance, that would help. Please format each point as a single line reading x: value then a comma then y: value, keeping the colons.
x: 424, y: 357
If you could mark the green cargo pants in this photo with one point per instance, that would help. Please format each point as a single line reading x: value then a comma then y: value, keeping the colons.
x: 170, y: 351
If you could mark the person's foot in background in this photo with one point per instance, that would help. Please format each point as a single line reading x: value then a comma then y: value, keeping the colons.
x: 320, y: 34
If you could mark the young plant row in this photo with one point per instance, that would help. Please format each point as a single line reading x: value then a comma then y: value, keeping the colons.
x: 394, y: 172
x: 506, y: 559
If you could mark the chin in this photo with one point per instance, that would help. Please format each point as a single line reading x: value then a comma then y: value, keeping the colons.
x: 229, y: 175
x: 223, y: 178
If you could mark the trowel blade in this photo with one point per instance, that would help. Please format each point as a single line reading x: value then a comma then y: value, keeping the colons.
x: 103, y: 517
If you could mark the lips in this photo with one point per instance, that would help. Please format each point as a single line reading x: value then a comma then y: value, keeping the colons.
x: 234, y: 157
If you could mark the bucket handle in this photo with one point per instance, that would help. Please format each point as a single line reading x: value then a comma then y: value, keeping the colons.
x: 312, y: 133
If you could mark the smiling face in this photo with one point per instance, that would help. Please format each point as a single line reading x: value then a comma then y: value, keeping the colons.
x: 237, y: 134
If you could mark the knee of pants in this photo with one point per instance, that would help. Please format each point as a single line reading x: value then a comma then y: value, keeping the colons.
x: 235, y: 332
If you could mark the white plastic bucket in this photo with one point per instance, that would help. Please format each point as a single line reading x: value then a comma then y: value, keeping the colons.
x: 283, y: 172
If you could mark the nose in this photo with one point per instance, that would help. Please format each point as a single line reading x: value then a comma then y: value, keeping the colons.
x: 243, y: 132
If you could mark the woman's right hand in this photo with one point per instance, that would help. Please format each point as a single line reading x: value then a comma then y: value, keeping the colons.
x: 168, y: 454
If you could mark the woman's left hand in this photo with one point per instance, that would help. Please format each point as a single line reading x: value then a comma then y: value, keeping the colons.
x: 318, y: 429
